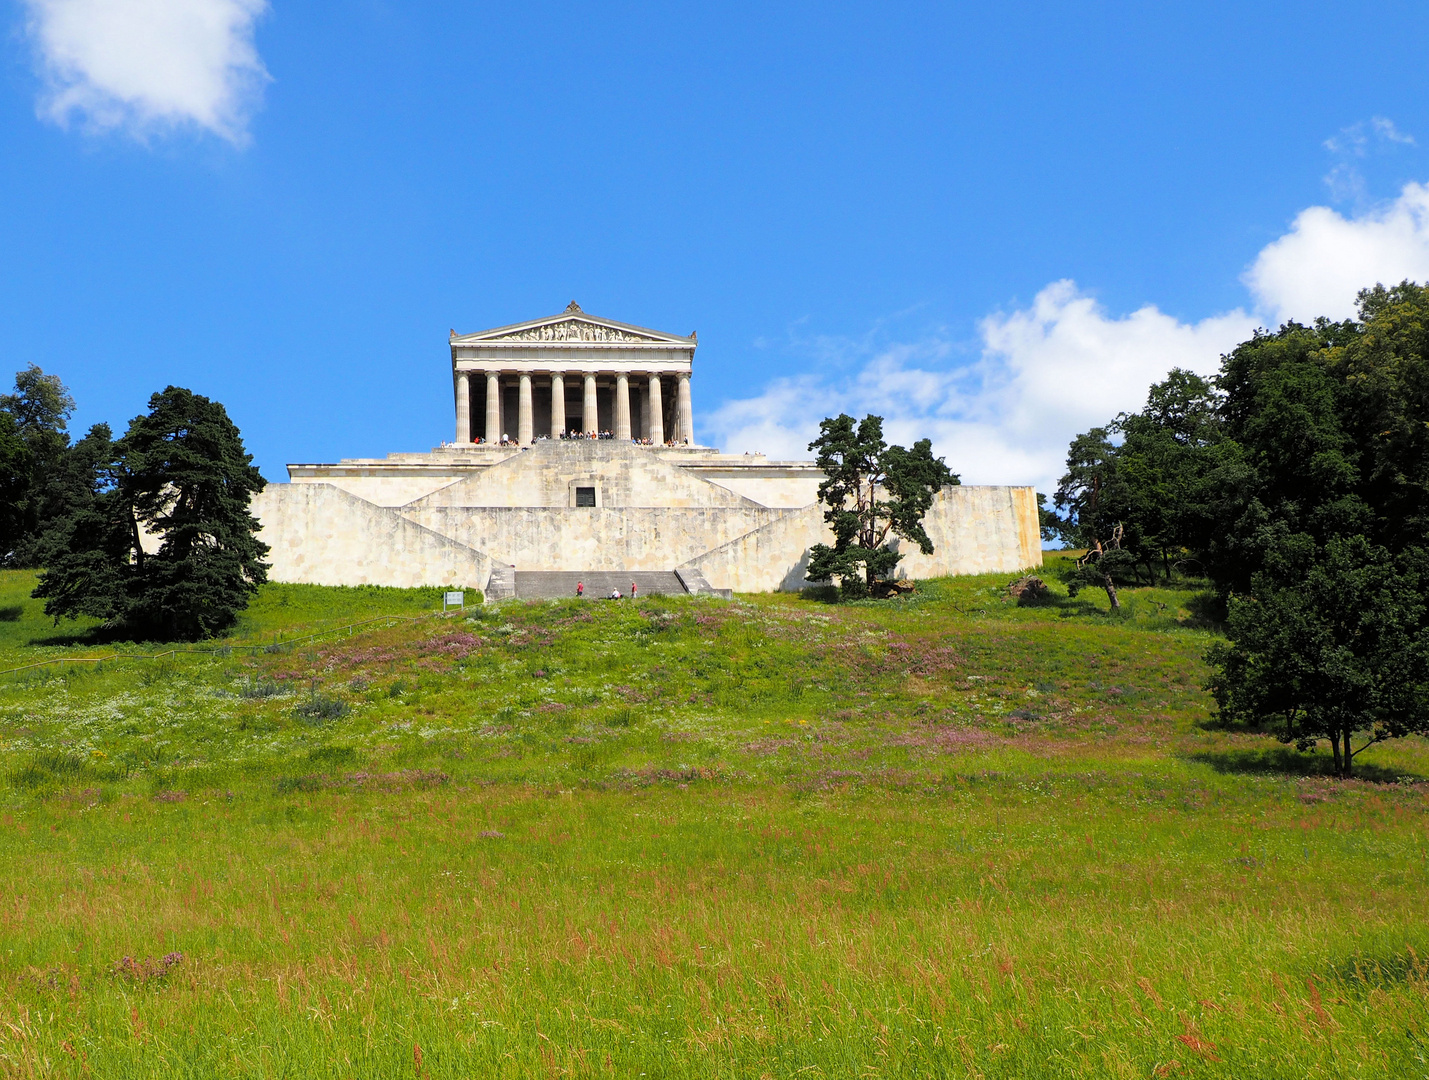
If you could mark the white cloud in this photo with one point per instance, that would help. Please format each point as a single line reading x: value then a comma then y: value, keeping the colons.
x: 1384, y: 128
x: 1356, y: 139
x: 1352, y: 146
x: 1321, y: 264
x: 147, y: 66
x: 1043, y: 373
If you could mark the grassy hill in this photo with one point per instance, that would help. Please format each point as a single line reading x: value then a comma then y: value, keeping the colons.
x: 942, y: 835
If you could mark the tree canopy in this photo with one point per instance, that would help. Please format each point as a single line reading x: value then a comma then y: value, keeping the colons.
x: 1335, y: 651
x: 874, y: 492
x: 34, y: 441
x: 1297, y: 481
x: 1150, y: 474
x: 156, y: 536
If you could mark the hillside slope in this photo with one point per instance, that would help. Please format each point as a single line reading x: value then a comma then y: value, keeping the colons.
x: 935, y: 836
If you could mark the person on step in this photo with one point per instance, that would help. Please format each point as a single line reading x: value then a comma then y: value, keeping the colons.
x: 632, y: 590
x: 580, y: 589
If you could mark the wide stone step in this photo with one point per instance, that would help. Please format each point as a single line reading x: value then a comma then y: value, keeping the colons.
x: 554, y: 584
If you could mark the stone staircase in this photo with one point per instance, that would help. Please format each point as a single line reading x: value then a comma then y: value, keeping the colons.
x: 694, y: 581
x: 554, y: 584
x: 502, y: 584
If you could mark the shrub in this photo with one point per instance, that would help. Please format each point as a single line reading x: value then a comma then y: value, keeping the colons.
x: 321, y: 707
x: 256, y: 691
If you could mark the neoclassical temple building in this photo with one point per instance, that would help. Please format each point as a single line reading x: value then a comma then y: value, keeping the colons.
x: 575, y: 459
x: 576, y: 374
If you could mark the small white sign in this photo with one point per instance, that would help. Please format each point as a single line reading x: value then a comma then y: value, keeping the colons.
x: 453, y: 599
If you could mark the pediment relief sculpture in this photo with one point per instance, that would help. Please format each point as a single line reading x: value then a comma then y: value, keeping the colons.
x: 574, y: 330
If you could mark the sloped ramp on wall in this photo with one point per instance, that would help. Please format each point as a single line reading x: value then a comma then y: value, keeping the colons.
x: 977, y: 529
x: 322, y: 535
x: 770, y: 558
x: 544, y: 475
x: 606, y: 538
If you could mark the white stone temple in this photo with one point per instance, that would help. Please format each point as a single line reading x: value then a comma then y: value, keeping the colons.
x: 575, y: 457
x: 575, y: 374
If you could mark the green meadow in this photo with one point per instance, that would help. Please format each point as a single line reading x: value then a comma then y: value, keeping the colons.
x: 941, y: 835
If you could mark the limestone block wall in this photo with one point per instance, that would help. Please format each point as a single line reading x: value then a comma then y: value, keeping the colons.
x: 382, y: 490
x: 540, y: 476
x: 974, y: 529
x: 516, y: 511
x: 400, y: 478
x: 321, y: 535
x: 767, y: 559
x: 978, y: 529
x: 771, y: 485
x: 600, y: 538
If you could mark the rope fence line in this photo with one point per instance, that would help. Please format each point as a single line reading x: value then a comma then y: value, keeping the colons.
x: 270, y: 646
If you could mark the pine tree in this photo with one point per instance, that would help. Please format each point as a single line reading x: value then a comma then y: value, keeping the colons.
x: 162, y: 545
x: 873, y: 492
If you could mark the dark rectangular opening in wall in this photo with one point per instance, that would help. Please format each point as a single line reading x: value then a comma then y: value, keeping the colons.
x: 585, y: 496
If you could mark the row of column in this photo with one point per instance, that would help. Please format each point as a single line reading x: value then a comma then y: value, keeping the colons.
x: 652, y: 409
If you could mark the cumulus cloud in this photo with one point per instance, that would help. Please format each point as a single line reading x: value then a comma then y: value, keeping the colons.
x: 1044, y: 373
x: 1004, y: 411
x: 1321, y: 264
x: 146, y: 66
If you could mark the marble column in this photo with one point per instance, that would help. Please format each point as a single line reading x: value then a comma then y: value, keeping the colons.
x: 622, y: 407
x: 558, y: 405
x: 463, y: 408
x: 687, y: 412
x: 493, y: 408
x: 656, y: 427
x: 591, y: 420
x: 525, y: 425
x: 644, y: 414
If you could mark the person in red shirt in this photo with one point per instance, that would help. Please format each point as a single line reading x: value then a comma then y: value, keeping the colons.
x: 632, y: 590
x: 580, y: 588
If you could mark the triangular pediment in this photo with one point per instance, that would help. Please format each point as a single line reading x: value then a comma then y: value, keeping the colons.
x: 572, y: 325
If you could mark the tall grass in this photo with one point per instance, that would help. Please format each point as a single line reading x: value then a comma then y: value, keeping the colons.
x: 937, y: 836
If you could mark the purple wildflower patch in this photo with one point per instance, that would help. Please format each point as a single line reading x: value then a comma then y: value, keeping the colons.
x: 147, y: 969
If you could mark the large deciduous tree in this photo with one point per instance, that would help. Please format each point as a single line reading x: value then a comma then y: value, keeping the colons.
x: 873, y: 492
x: 1298, y: 480
x: 16, y: 470
x: 157, y: 538
x: 1320, y: 548
x: 1333, y: 646
x: 1143, y: 487
x: 1297, y: 468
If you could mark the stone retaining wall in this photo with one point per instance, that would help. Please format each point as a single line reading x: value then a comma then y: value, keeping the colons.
x: 594, y: 538
x: 321, y: 535
x: 974, y: 529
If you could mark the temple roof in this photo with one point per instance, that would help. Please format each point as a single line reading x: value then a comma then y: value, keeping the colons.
x: 572, y: 326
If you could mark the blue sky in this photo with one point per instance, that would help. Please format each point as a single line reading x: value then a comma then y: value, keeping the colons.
x: 996, y: 224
